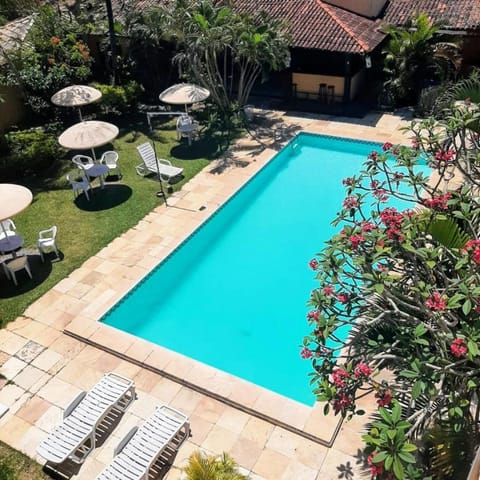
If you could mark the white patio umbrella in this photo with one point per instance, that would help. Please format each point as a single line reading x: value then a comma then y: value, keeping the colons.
x: 88, y: 135
x: 184, y: 94
x: 76, y: 96
x: 14, y: 199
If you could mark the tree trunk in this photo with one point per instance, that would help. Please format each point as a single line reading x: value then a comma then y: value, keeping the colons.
x: 113, y: 47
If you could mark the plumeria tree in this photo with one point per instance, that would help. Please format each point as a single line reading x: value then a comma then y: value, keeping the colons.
x: 406, y: 283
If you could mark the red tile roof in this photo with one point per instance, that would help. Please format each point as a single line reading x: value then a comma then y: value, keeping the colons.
x: 316, y: 24
x: 452, y: 14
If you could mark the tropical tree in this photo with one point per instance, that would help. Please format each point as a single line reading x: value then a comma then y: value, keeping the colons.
x: 406, y: 283
x: 223, y: 50
x: 415, y: 53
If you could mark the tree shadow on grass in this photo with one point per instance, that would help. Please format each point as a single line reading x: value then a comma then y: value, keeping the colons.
x: 103, y: 199
x: 40, y: 272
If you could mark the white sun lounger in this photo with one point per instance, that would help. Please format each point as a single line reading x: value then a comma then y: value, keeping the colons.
x: 74, y: 439
x: 154, y: 442
x: 149, y: 164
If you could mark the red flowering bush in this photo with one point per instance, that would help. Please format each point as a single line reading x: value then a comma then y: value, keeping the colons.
x: 52, y: 57
x: 406, y: 281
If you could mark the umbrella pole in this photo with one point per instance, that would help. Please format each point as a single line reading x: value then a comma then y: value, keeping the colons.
x: 80, y: 114
x: 161, y: 192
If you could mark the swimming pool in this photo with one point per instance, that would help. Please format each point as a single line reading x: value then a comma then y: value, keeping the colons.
x: 234, y: 294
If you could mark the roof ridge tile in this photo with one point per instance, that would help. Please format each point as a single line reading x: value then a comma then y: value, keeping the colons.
x: 334, y: 16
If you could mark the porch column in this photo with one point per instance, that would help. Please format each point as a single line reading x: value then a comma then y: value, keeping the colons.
x: 347, y: 85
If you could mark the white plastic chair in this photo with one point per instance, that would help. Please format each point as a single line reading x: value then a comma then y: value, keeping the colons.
x: 83, y: 162
x: 75, y: 438
x: 152, y: 443
x: 110, y: 159
x: 47, y: 240
x: 165, y: 168
x: 7, y: 228
x: 186, y: 127
x: 15, y: 265
x: 79, y: 186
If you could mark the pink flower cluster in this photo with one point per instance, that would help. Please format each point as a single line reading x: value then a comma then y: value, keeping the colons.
x: 367, y: 226
x: 458, y: 348
x: 313, y: 263
x: 348, y: 182
x: 375, y: 468
x: 392, y: 219
x: 387, y: 146
x: 384, y: 398
x: 328, y: 291
x: 350, y: 202
x: 339, y: 375
x: 439, y: 202
x: 362, y: 370
x: 343, y: 297
x: 373, y: 155
x: 436, y: 301
x: 306, y: 353
x: 473, y: 246
x: 341, y: 403
x: 356, y: 240
x: 445, y: 155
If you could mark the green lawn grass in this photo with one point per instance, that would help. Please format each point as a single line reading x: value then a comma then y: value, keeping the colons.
x: 85, y: 227
x: 16, y: 466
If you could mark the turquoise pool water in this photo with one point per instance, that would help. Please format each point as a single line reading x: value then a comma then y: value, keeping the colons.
x: 234, y: 294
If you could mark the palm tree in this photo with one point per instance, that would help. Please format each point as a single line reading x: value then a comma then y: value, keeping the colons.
x: 412, y: 55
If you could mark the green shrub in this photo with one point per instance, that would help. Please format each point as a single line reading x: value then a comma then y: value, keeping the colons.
x: 6, y: 471
x: 209, y: 467
x: 30, y: 151
x: 119, y: 99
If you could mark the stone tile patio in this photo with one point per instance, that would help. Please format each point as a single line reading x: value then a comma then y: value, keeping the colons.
x: 59, y: 348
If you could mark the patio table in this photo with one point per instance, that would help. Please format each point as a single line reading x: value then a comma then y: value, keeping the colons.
x: 10, y: 243
x: 97, y: 170
x: 188, y: 129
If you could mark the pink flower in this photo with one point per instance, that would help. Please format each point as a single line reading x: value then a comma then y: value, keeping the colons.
x: 373, y: 155
x: 313, y: 263
x: 375, y: 468
x: 350, y: 202
x: 328, y: 291
x: 458, y: 348
x: 437, y: 302
x: 313, y: 315
x: 339, y: 375
x: 445, y: 155
x: 368, y: 226
x: 438, y: 202
x: 343, y: 402
x: 362, y: 370
x: 348, y: 181
x: 387, y: 146
x: 355, y: 241
x: 415, y: 144
x: 384, y: 398
x: 343, y: 297
x: 306, y: 353
x: 380, y: 194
